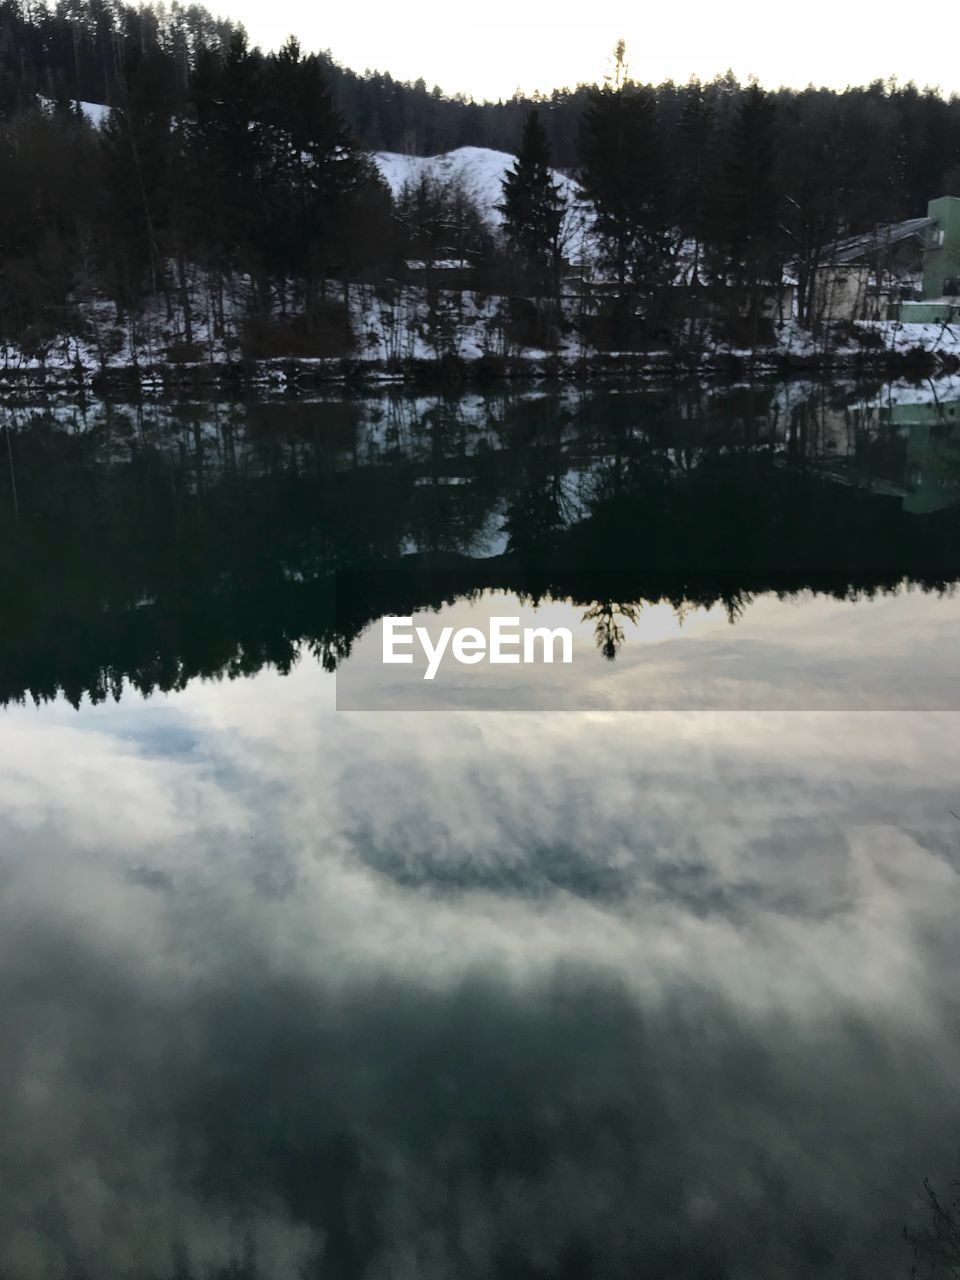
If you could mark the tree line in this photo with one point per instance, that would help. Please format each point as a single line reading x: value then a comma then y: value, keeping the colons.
x: 219, y: 160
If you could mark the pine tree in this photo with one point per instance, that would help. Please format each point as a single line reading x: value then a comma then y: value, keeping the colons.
x: 533, y: 208
x: 696, y: 135
x: 749, y: 204
x: 223, y: 166
x: 623, y: 179
x: 313, y: 165
x: 814, y: 178
x: 136, y: 146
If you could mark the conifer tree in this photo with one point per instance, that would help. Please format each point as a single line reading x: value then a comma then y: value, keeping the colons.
x: 312, y: 166
x: 533, y: 208
x: 696, y: 136
x: 229, y: 124
x: 623, y: 179
x: 749, y: 202
x: 813, y: 182
x: 136, y: 145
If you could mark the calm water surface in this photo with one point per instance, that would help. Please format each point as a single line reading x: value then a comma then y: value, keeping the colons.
x: 655, y: 979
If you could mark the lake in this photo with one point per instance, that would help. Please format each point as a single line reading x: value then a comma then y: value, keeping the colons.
x: 641, y: 966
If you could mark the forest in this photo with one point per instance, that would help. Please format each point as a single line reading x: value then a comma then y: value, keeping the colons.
x: 244, y: 179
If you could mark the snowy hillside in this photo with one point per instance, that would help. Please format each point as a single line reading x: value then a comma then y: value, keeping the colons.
x: 95, y: 113
x: 480, y: 170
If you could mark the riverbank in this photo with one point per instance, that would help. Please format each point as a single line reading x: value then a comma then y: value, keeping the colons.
x: 295, y: 373
x: 411, y: 337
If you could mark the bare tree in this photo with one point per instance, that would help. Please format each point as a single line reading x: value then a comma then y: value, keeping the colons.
x: 936, y: 1244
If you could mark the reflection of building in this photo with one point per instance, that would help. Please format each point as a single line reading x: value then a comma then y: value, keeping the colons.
x: 919, y: 458
x: 906, y: 447
x: 932, y: 465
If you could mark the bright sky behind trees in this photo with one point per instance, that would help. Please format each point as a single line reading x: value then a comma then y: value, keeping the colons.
x: 503, y: 44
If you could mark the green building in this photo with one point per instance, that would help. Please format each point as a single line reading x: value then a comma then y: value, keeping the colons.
x: 941, y: 253
x: 941, y: 266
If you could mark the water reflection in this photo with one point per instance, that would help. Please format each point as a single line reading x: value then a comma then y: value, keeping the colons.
x: 479, y: 995
x: 289, y: 992
x: 913, y: 452
x: 156, y: 544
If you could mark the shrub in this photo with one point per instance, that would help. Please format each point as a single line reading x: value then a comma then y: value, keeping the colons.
x: 327, y: 336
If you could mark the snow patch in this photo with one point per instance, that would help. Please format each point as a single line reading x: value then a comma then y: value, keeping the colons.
x: 95, y: 113
x: 479, y: 170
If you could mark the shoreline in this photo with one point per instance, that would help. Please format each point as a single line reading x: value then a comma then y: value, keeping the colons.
x: 459, y: 373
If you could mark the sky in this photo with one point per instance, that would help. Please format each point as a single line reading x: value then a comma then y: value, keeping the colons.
x: 539, y: 46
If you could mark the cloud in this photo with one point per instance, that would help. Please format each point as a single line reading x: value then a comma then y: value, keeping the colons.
x: 481, y: 995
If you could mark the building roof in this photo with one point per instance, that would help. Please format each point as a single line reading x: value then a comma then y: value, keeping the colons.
x: 856, y: 247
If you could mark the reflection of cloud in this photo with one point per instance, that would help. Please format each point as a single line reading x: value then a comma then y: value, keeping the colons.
x: 472, y: 995
x: 895, y: 652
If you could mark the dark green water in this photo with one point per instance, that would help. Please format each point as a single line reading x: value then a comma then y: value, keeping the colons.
x: 655, y: 979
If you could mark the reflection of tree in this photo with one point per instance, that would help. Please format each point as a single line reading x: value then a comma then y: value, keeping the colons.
x: 735, y: 603
x: 537, y: 509
x: 607, y: 632
x: 161, y: 544
x: 532, y: 521
x: 331, y: 650
x: 936, y: 1245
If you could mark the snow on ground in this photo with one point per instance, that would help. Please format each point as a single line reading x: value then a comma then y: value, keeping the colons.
x: 391, y: 326
x: 944, y: 339
x: 480, y: 170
